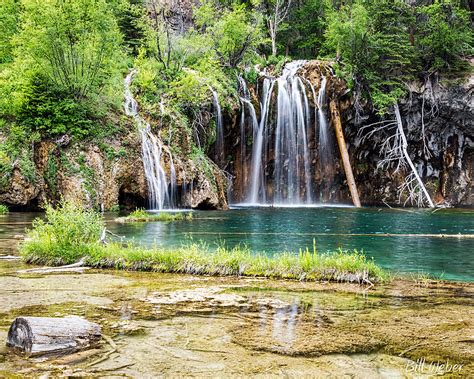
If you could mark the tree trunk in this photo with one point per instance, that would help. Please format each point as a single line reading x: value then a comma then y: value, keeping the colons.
x: 51, y: 335
x: 336, y: 119
x: 407, y: 156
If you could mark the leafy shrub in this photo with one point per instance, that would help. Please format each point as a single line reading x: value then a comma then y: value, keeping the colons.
x: 3, y: 209
x: 52, y: 112
x: 67, y: 228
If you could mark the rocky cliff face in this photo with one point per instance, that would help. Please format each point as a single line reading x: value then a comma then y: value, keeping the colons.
x: 105, y: 175
x: 439, y: 124
x: 438, y: 120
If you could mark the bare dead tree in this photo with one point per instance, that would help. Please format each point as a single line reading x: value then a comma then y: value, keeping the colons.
x: 166, y: 41
x: 278, y: 14
x: 394, y: 153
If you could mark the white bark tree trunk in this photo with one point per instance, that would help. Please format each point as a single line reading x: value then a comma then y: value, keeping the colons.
x: 407, y: 156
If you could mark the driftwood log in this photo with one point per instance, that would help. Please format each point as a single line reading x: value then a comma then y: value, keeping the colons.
x: 52, y: 335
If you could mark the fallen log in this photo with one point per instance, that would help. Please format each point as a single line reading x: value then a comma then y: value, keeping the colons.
x: 52, y: 335
x: 336, y: 118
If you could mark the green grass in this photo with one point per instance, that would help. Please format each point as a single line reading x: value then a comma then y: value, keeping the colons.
x: 70, y: 233
x: 3, y: 209
x: 140, y: 215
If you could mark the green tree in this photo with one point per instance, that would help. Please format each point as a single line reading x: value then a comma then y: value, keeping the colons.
x: 370, y: 40
x: 444, y: 35
x: 303, y: 33
x: 74, y: 43
x: 235, y: 31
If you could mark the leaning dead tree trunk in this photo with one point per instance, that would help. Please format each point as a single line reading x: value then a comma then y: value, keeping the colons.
x: 394, y: 154
x: 51, y: 335
x: 404, y: 146
x: 336, y: 119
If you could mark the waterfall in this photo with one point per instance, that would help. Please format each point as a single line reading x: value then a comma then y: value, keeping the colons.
x: 290, y: 182
x: 246, y: 104
x: 161, y: 194
x: 325, y: 151
x: 257, y: 183
x: 219, y: 130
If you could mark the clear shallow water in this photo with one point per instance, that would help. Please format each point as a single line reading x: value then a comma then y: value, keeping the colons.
x: 288, y: 229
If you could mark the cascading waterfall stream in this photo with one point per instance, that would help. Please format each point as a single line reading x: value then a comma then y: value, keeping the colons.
x: 258, y: 184
x: 161, y: 193
x: 246, y: 103
x: 219, y: 130
x: 290, y: 181
x: 325, y: 151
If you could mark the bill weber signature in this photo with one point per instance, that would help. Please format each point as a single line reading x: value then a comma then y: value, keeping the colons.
x: 420, y: 366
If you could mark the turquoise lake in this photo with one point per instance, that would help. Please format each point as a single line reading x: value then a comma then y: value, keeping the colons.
x: 415, y: 244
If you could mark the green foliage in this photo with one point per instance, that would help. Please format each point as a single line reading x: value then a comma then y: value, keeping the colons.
x: 63, y: 66
x: 52, y: 112
x: 16, y: 150
x: 51, y: 173
x: 9, y: 17
x: 303, y: 34
x: 371, y: 40
x: 4, y: 209
x: 444, y: 35
x: 67, y: 229
x: 114, y: 208
x: 235, y: 34
x: 75, y: 43
x: 129, y: 15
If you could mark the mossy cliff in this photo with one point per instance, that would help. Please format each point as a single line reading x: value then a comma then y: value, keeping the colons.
x: 104, y: 174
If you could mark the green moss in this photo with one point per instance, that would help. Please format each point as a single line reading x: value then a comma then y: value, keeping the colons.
x: 3, y: 209
x: 88, y: 174
x: 27, y: 166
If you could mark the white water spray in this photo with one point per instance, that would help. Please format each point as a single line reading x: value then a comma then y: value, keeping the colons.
x: 219, y: 130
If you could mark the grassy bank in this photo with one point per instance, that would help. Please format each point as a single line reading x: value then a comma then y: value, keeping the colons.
x: 70, y: 233
x: 140, y: 215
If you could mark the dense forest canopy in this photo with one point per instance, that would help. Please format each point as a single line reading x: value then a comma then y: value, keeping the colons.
x: 62, y: 62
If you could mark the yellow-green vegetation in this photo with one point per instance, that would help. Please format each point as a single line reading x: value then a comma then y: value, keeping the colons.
x: 3, y: 209
x: 69, y: 233
x: 141, y: 215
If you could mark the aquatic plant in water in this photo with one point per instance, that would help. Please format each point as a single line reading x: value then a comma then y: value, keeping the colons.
x: 141, y: 215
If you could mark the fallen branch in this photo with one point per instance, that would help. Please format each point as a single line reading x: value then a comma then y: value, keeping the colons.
x: 9, y: 257
x: 344, y: 154
x: 75, y: 267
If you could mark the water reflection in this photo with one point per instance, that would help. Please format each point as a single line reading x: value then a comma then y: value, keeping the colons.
x: 284, y: 322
